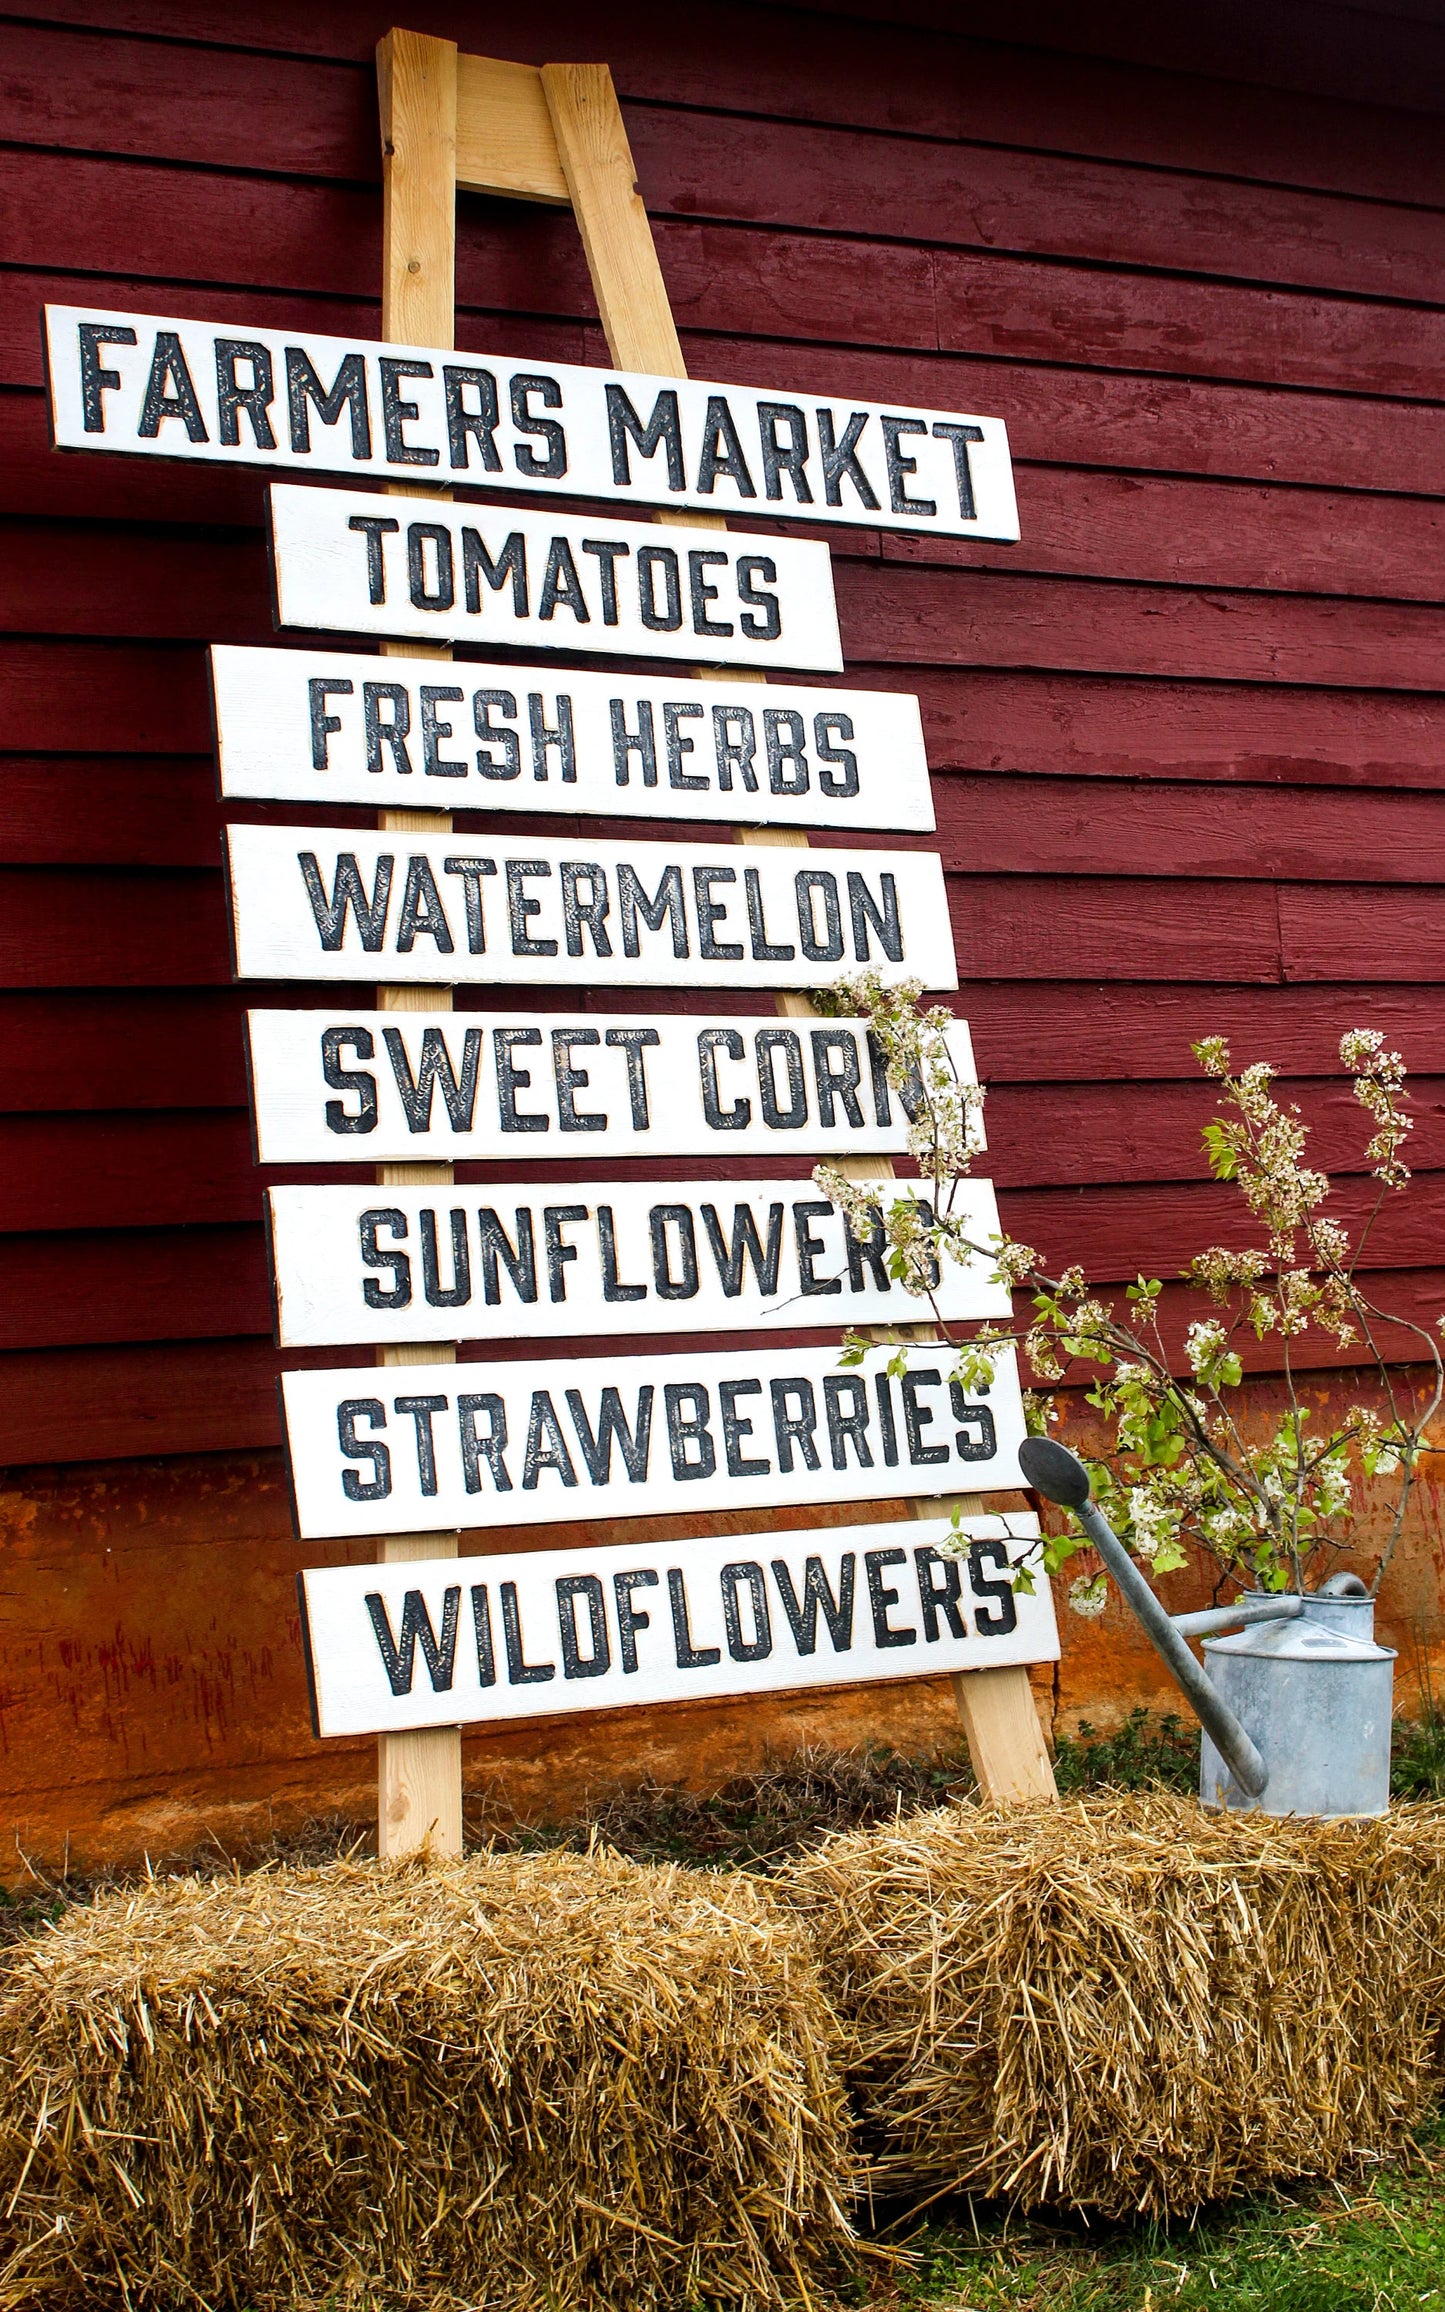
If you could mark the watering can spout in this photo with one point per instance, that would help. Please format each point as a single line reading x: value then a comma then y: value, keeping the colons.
x: 1051, y: 1469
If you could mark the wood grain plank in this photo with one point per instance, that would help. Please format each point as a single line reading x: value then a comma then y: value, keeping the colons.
x: 1355, y: 931
x: 45, y: 483
x: 1047, y: 927
x: 102, y: 92
x: 119, y: 828
x: 1081, y: 1134
x: 714, y: 53
x: 22, y: 295
x: 1118, y: 1232
x: 1006, y: 1745
x: 1173, y: 532
x: 163, y: 812
x: 100, y: 1402
x: 96, y: 927
x: 419, y: 1775
x: 167, y: 1169
x: 118, y: 217
x: 1372, y: 49
x: 98, y: 698
x: 1092, y: 726
x: 113, y: 1048
x: 861, y: 75
x: 915, y: 617
x: 1076, y: 522
x: 1039, y: 826
x: 208, y: 1282
x: 1135, y: 1033
x: 191, y: 1166
x: 981, y: 196
x: 1074, y: 415
x: 138, y: 215
x: 1117, y: 111
x: 505, y: 140
x: 1055, y: 414
x: 134, y: 1285
x: 118, y: 1403
x: 116, y: 811
x: 417, y: 89
x: 147, y: 1284
x: 135, y: 1049
x: 112, y: 580
x: 101, y: 697
x: 622, y: 264
x: 93, y: 927
x: 1020, y: 310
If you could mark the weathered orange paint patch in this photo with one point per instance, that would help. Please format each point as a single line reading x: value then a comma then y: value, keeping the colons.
x: 152, y: 1691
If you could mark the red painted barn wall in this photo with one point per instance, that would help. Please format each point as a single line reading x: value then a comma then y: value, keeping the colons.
x: 1187, y: 736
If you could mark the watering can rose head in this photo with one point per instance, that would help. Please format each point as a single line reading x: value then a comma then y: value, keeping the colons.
x: 1189, y: 1467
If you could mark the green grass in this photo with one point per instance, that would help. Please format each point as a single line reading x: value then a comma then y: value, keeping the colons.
x: 1163, y: 1754
x: 1417, y: 1767
x: 1371, y: 2245
x: 1142, y: 1754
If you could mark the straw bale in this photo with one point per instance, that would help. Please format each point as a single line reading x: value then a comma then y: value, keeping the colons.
x: 1130, y: 2005
x: 513, y: 2082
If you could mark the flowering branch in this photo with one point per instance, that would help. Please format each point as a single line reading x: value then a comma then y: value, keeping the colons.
x: 1181, y: 1470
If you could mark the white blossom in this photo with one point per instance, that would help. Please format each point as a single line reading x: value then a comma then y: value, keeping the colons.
x: 1181, y: 1466
x: 1204, y: 1343
x: 1088, y: 1596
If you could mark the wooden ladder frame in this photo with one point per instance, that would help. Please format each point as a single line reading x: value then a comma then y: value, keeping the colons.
x: 554, y: 133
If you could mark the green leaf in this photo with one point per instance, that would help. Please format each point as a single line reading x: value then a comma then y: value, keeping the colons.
x: 1168, y: 1558
x: 1059, y: 1548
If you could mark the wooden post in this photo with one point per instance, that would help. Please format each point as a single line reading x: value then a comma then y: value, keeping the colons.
x: 419, y: 1775
x: 1005, y: 1741
x: 616, y: 237
x: 557, y: 135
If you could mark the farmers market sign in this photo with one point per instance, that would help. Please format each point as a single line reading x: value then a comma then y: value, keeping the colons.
x: 233, y: 393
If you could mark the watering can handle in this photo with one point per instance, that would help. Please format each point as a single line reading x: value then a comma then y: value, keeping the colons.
x: 1051, y: 1469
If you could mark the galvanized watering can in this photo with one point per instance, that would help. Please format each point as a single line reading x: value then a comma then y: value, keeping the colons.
x: 1295, y: 1707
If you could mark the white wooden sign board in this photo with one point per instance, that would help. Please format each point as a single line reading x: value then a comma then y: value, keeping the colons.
x: 499, y: 577
x: 320, y: 903
x: 437, y: 1448
x: 530, y: 1635
x: 233, y: 394
x: 306, y: 726
x: 353, y: 1264
x: 367, y: 1087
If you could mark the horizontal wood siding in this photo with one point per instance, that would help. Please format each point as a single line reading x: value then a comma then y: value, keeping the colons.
x: 1188, y: 736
